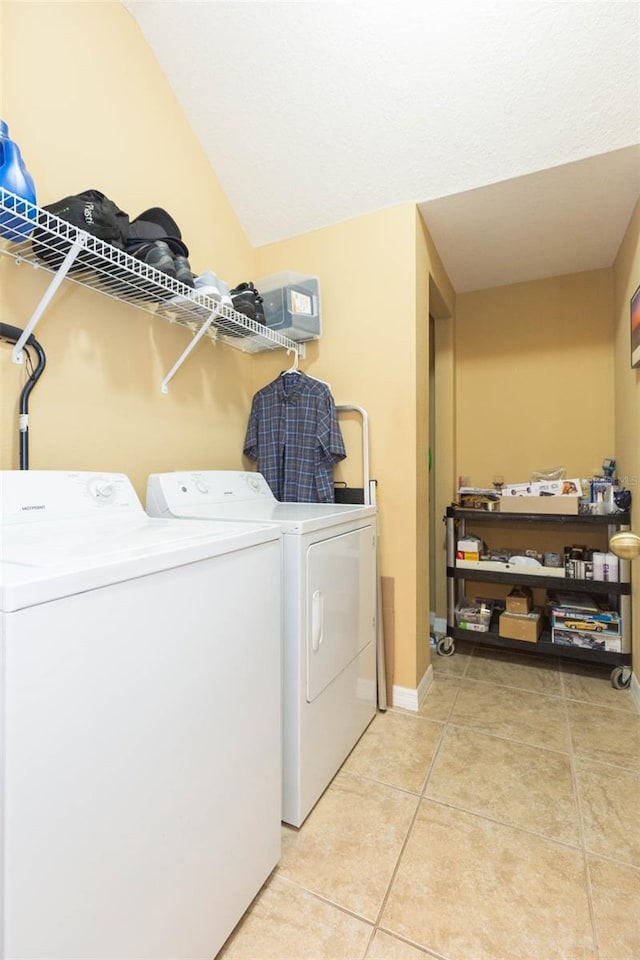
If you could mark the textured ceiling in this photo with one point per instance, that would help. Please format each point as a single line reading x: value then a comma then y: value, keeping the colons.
x: 513, y: 125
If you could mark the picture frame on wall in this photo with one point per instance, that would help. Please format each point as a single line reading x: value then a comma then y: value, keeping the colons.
x: 635, y: 329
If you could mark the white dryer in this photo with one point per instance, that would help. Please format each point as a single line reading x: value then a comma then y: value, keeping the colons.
x: 140, y: 709
x: 329, y: 615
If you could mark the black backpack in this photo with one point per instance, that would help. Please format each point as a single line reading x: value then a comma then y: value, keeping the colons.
x: 90, y: 210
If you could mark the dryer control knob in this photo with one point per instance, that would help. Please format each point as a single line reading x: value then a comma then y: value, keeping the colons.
x: 202, y: 487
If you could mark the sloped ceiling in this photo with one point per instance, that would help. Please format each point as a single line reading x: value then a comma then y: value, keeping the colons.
x: 515, y: 126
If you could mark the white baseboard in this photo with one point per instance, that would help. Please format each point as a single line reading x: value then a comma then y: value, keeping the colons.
x: 412, y: 699
x: 635, y: 691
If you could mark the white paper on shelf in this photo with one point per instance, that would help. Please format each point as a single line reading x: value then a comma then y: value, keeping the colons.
x: 497, y: 566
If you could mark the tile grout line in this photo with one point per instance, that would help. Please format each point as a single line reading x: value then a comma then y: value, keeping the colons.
x: 581, y: 843
x: 564, y: 668
x: 596, y: 762
x: 504, y: 823
x: 375, y: 923
x: 419, y: 799
x: 427, y: 951
x: 546, y: 693
x: 322, y: 898
x: 325, y: 899
x: 581, y: 839
x: 475, y: 813
x: 581, y: 831
x: 450, y: 722
x: 501, y: 736
x: 372, y: 935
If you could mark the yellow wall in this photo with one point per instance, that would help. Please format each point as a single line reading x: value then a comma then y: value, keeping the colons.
x: 374, y: 352
x: 86, y: 102
x: 366, y: 353
x: 626, y: 278
x: 534, y: 378
x: 553, y: 358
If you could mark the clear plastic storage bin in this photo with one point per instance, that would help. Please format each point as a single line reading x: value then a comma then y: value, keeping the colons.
x: 292, y: 304
x: 474, y: 615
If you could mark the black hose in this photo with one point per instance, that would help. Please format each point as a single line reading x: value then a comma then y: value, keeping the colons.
x: 12, y: 335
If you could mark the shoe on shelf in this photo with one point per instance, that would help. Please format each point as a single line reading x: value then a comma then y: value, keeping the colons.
x: 246, y: 299
x: 183, y: 271
x: 259, y: 309
x: 156, y: 254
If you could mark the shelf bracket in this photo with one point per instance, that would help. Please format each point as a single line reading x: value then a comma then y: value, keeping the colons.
x: 17, y: 354
x: 164, y: 386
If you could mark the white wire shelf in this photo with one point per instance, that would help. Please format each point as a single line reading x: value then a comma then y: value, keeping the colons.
x: 29, y: 234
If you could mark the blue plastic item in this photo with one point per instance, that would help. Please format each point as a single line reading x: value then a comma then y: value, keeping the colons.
x: 15, y: 178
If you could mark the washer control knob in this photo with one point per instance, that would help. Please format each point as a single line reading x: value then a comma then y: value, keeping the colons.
x: 202, y: 487
x: 254, y: 483
x: 102, y: 489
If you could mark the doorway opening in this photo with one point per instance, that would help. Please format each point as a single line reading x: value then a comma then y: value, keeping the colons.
x: 441, y: 449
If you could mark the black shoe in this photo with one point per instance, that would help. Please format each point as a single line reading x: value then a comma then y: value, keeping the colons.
x: 183, y: 271
x: 248, y: 301
x: 259, y: 309
x: 244, y: 299
x: 155, y: 254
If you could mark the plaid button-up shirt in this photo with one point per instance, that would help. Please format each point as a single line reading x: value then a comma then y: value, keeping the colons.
x: 294, y: 436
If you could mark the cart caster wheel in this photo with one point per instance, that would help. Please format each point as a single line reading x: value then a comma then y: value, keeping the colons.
x: 620, y: 678
x: 446, y: 647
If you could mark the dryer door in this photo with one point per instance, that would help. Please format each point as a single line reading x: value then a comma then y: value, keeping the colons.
x: 341, y: 604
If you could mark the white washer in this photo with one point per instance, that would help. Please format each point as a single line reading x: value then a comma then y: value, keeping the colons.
x: 140, y: 735
x: 329, y: 616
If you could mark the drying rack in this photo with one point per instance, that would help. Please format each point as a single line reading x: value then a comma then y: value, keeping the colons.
x: 46, y: 242
x: 367, y: 495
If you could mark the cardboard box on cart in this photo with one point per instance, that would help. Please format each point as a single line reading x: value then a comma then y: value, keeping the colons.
x: 587, y: 639
x: 586, y: 621
x: 521, y: 626
x: 555, y: 505
x: 520, y: 600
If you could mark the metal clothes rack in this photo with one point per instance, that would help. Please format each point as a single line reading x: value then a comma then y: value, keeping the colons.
x: 367, y: 496
x: 29, y: 234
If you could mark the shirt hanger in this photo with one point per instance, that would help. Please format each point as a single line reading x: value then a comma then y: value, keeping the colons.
x: 294, y: 366
x: 295, y: 369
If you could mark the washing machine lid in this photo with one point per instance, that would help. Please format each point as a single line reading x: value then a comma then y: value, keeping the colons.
x: 242, y: 496
x: 110, y: 538
x: 52, y: 559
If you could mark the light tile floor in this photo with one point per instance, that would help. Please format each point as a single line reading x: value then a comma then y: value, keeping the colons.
x: 502, y: 822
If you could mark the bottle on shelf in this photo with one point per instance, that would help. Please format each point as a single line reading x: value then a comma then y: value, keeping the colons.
x: 15, y: 178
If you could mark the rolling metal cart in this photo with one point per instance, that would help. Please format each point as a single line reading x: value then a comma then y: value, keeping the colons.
x: 462, y: 572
